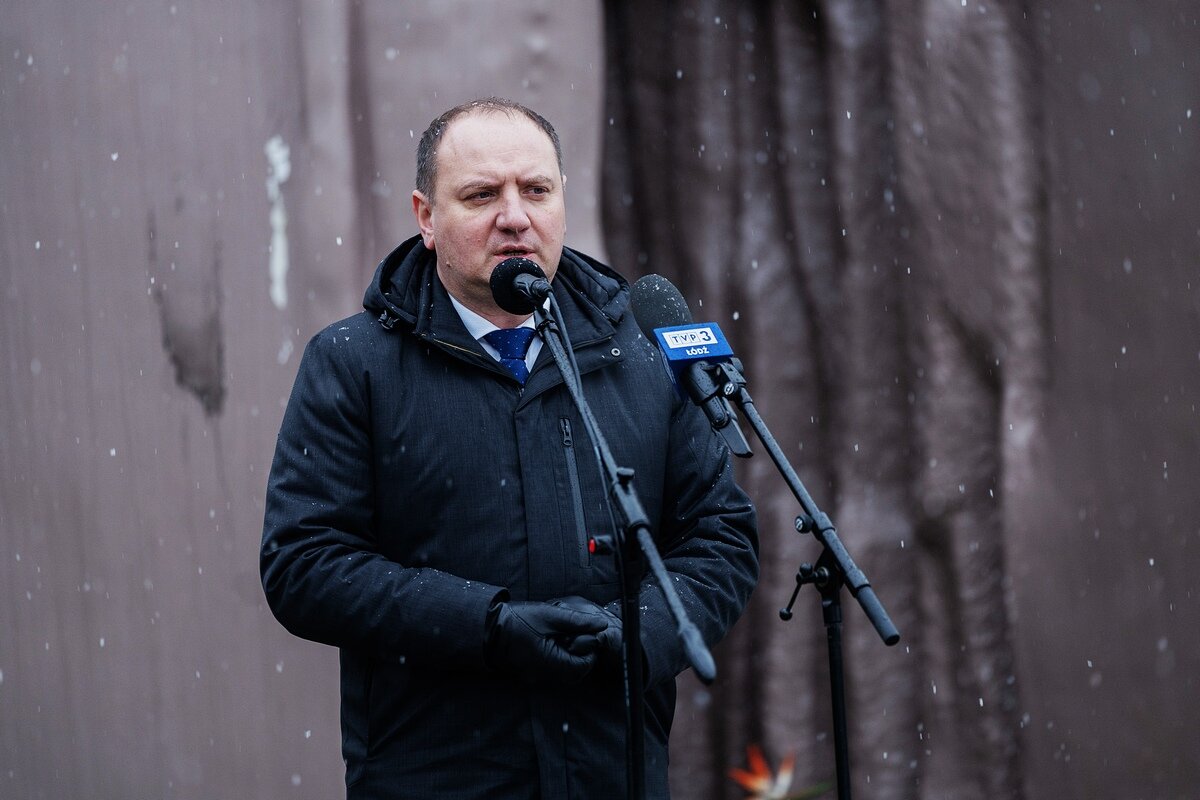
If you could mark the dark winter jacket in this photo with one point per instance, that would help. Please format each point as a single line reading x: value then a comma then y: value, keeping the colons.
x: 415, y: 483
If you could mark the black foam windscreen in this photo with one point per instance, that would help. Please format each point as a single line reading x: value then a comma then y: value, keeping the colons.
x: 504, y: 290
x: 658, y: 304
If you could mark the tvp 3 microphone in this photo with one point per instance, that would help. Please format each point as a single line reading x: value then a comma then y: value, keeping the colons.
x: 693, y: 350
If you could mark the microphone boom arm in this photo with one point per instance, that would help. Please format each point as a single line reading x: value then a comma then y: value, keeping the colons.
x: 728, y: 376
x: 627, y: 549
x: 662, y: 314
x: 706, y: 393
x: 832, y: 570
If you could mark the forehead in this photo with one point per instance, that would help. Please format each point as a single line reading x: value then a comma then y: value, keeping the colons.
x: 493, y: 144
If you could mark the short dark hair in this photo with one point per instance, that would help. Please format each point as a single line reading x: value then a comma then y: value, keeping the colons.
x: 427, y: 148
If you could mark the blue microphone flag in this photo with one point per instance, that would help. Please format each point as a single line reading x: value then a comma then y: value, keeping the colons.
x: 697, y: 341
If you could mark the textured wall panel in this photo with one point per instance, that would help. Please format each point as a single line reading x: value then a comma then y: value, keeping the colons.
x: 187, y: 193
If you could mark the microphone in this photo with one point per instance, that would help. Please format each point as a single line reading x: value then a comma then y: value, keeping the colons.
x: 519, y: 285
x: 691, y: 351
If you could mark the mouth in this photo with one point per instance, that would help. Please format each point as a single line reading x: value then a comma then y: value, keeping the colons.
x: 513, y: 252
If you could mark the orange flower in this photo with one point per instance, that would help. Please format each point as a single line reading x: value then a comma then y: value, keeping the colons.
x: 758, y: 778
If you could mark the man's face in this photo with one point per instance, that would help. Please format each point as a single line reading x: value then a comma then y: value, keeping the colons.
x: 498, y: 193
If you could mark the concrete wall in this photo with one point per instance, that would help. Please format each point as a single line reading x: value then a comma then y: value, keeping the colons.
x: 150, y: 332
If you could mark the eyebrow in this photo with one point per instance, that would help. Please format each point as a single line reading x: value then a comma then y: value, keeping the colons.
x: 473, y: 185
x: 476, y: 184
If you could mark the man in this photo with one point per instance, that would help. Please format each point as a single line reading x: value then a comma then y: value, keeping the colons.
x: 433, y: 495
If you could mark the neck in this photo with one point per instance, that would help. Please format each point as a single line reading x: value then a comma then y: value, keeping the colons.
x: 491, y: 312
x: 481, y: 303
x: 499, y: 317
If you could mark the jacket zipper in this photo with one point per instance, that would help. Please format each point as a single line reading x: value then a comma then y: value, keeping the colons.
x: 585, y: 558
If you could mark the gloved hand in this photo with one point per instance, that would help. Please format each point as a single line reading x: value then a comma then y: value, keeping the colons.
x: 539, y: 641
x: 609, y: 639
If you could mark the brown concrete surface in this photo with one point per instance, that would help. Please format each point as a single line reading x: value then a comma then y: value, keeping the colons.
x: 956, y: 244
x: 146, y: 361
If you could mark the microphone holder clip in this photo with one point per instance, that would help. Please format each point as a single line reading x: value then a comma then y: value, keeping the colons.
x: 711, y: 386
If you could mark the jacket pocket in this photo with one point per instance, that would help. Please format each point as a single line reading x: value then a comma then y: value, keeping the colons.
x: 568, y: 441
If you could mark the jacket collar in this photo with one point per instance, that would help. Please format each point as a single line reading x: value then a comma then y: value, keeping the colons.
x: 406, y: 291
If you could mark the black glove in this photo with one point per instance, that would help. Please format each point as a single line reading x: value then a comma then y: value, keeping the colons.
x: 609, y: 639
x: 538, y: 641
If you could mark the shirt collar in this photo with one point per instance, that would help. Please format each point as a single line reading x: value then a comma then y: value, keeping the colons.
x: 478, y: 326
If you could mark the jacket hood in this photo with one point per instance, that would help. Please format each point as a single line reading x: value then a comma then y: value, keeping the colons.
x: 405, y: 283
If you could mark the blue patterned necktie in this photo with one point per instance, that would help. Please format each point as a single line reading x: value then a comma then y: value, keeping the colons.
x: 512, y: 344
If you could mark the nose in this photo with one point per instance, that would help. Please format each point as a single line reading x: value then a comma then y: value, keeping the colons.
x: 513, y: 216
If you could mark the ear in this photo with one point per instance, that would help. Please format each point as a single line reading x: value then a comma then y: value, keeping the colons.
x: 564, y: 191
x: 423, y: 211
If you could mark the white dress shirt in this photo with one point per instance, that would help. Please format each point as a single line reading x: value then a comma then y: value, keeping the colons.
x: 479, y: 327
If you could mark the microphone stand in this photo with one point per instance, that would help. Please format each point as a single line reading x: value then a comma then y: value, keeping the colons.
x: 633, y: 542
x: 834, y: 569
